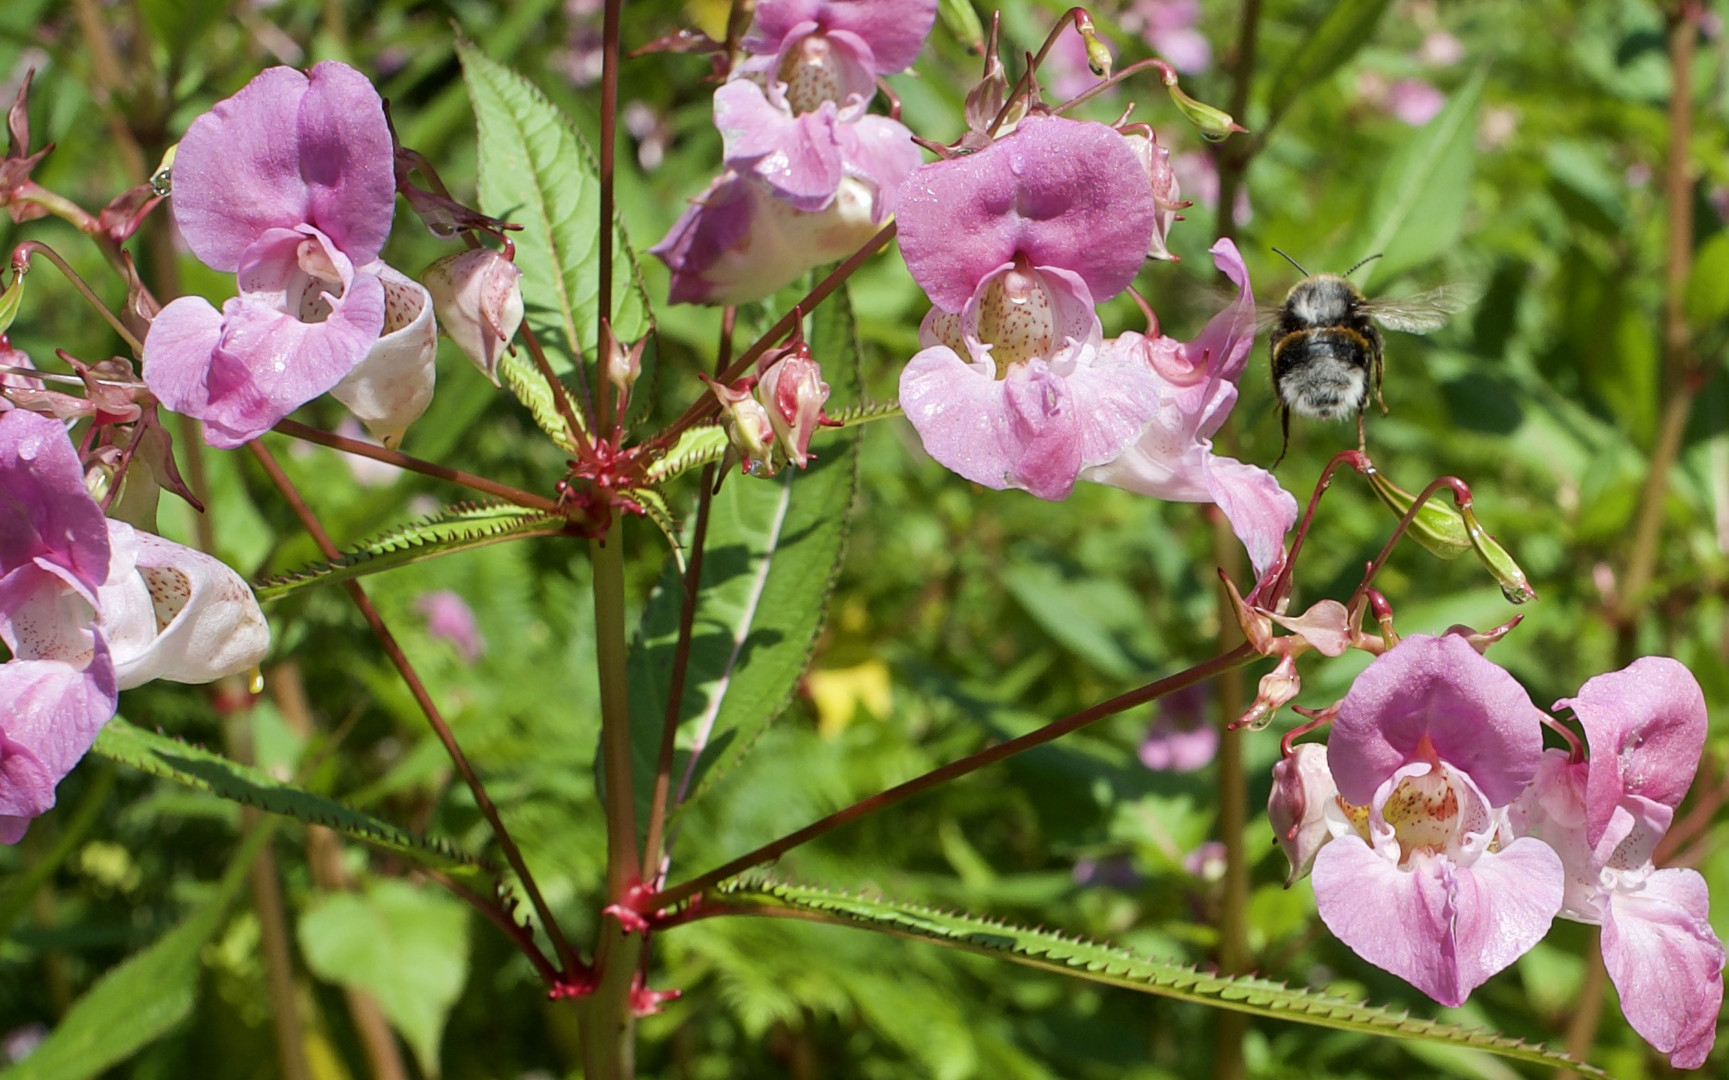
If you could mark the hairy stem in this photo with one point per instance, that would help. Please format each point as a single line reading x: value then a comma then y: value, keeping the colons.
x: 972, y: 763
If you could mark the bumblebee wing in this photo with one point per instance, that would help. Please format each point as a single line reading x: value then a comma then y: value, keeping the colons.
x: 1219, y: 297
x: 1425, y: 311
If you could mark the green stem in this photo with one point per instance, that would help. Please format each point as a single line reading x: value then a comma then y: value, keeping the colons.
x: 609, y: 1029
x: 623, y: 868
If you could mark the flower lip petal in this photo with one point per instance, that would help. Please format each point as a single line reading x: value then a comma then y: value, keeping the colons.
x: 1667, y: 964
x: 1064, y: 193
x: 1439, y: 926
x: 1436, y: 695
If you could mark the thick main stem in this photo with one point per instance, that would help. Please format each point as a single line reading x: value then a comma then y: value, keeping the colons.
x: 609, y: 1035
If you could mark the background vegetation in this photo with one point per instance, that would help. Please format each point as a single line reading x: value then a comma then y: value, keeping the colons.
x: 1591, y: 422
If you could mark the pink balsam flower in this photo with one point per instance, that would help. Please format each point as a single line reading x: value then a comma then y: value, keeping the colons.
x: 1172, y: 458
x: 290, y: 185
x: 1645, y: 726
x: 810, y: 174
x: 89, y: 607
x: 1435, y: 741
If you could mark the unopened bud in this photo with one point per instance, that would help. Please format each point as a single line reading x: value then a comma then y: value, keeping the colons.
x: 1297, y: 805
x: 793, y: 392
x: 1276, y: 689
x: 1215, y: 125
x: 478, y: 297
x: 747, y: 424
x: 623, y: 365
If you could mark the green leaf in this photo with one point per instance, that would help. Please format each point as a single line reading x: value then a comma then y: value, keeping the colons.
x: 537, y: 172
x: 461, y: 527
x: 138, y: 1002
x: 1707, y: 296
x: 407, y: 946
x: 1051, y: 951
x: 1418, y: 206
x: 178, y: 24
x: 772, y: 552
x: 201, y: 769
x: 1346, y: 28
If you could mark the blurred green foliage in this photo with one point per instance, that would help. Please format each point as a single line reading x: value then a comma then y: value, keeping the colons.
x: 961, y: 616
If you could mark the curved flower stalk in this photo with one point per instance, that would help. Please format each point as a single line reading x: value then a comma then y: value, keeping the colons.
x: 810, y: 174
x: 1016, y: 386
x: 1444, y: 839
x: 89, y: 607
x: 290, y: 185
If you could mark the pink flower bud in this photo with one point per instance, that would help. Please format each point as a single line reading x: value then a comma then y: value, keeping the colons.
x: 793, y: 392
x: 1302, y: 787
x: 478, y: 297
x: 747, y: 425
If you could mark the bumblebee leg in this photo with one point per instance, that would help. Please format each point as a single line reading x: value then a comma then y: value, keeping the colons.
x: 1285, y: 430
x: 1362, y: 442
x: 1379, y: 400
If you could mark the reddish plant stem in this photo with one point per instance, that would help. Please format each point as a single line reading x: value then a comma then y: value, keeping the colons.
x: 1461, y: 497
x: 399, y: 659
x: 608, y: 163
x: 675, y: 685
x: 681, y: 654
x: 30, y: 248
x: 707, y: 404
x: 496, y: 913
x: 560, y: 392
x: 297, y: 430
x: 973, y: 762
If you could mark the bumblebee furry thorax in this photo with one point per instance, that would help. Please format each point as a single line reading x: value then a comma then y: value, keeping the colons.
x: 1326, y: 349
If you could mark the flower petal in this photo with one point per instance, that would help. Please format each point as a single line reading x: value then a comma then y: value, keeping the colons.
x: 392, y: 387
x: 1436, y: 695
x: 1052, y: 191
x: 1645, y: 725
x: 286, y: 151
x: 183, y: 616
x: 1020, y: 432
x: 53, y: 712
x: 1441, y: 927
x: 797, y: 157
x: 45, y: 510
x: 895, y: 30
x: 1667, y: 963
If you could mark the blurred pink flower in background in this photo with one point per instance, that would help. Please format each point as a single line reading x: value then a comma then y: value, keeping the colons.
x: 1168, y: 28
x: 449, y: 618
x: 1182, y: 738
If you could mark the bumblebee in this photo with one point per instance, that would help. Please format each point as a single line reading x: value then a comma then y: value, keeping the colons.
x: 1326, y: 348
